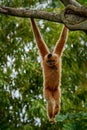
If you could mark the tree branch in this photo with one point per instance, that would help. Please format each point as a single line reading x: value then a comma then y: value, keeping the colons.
x: 74, y: 16
x: 31, y: 14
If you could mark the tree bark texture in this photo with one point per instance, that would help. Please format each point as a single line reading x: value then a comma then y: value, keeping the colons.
x: 74, y: 16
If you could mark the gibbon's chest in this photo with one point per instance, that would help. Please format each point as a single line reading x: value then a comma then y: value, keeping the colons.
x: 51, y: 76
x: 51, y: 73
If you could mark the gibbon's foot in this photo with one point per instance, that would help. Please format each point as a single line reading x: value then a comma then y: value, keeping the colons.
x: 52, y: 120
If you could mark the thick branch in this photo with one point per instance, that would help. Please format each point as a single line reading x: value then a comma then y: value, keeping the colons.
x: 31, y: 14
x: 75, y: 18
x: 80, y: 11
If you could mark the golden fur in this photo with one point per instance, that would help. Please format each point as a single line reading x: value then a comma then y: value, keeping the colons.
x: 51, y: 65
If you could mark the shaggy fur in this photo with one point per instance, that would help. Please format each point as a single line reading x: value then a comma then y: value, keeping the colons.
x: 51, y: 65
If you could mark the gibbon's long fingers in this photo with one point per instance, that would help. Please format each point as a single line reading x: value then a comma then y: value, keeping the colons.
x: 62, y: 40
x: 40, y: 42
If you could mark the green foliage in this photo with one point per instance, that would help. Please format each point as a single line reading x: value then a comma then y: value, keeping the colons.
x: 22, y: 106
x: 83, y: 2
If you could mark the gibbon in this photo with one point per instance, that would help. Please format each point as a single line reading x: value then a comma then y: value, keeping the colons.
x: 51, y: 66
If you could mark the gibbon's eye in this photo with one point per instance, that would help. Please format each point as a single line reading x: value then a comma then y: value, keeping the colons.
x: 50, y: 62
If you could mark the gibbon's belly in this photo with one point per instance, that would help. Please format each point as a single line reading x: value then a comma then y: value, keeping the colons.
x: 52, y: 79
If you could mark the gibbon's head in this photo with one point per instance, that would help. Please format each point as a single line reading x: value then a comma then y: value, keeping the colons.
x: 51, y: 59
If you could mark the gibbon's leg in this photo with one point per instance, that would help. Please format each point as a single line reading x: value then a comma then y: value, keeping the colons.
x: 50, y: 110
x: 57, y: 95
x: 50, y: 104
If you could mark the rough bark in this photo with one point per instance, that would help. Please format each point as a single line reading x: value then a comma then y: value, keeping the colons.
x: 74, y: 16
x: 31, y: 14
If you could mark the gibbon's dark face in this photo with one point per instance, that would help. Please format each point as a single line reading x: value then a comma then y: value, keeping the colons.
x: 51, y: 60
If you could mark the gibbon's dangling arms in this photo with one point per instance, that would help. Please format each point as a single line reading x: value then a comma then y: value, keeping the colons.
x: 40, y: 42
x: 62, y: 40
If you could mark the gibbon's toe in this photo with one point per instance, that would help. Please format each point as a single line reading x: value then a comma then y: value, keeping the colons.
x: 52, y: 121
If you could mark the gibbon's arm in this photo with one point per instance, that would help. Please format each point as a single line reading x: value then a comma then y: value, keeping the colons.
x: 40, y: 42
x: 60, y: 43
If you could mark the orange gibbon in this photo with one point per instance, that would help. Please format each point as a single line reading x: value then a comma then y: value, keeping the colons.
x: 51, y: 66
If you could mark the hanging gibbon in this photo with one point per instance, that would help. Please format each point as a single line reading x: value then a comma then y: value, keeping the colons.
x: 51, y: 66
